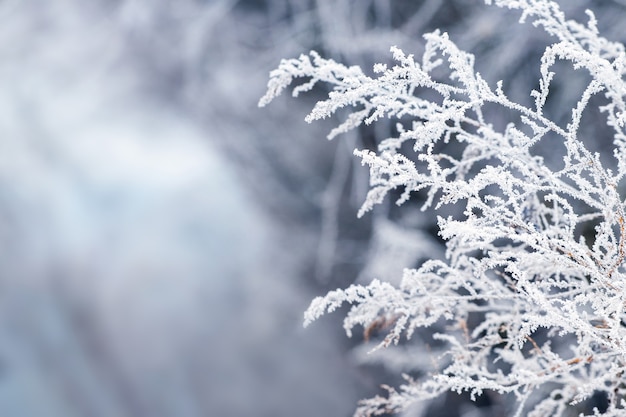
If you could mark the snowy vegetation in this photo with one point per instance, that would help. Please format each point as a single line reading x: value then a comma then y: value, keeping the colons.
x: 529, y: 301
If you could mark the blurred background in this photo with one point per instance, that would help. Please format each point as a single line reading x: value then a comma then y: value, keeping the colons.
x: 161, y: 236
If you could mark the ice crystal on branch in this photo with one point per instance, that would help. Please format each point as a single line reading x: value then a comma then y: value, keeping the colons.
x: 550, y: 297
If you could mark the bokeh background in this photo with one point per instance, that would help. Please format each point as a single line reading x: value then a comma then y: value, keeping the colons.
x: 161, y: 235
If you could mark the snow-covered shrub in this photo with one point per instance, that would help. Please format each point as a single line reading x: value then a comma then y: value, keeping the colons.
x: 532, y: 292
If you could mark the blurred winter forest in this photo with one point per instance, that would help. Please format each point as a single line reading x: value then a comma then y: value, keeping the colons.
x: 162, y: 236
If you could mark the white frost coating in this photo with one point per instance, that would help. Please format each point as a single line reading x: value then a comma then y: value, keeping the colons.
x: 516, y: 256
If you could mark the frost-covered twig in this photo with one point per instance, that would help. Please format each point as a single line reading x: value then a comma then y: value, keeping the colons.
x: 518, y: 255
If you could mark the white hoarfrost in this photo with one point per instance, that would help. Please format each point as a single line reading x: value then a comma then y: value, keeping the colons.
x: 534, y: 257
